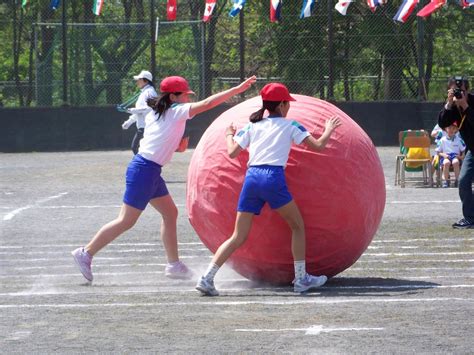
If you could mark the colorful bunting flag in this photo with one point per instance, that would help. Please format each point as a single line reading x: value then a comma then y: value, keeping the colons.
x: 405, y: 10
x: 342, y: 6
x: 209, y: 9
x: 238, y: 5
x: 25, y: 3
x: 433, y: 6
x: 373, y: 4
x: 55, y: 4
x: 171, y: 9
x: 275, y: 10
x: 467, y: 3
x: 307, y: 9
x: 97, y: 7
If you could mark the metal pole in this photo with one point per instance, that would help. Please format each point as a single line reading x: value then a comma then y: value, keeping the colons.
x: 330, y: 51
x: 203, y: 61
x: 152, y: 38
x: 421, y: 58
x: 64, y: 44
x: 242, y: 45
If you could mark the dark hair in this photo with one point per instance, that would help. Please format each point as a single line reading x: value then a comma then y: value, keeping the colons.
x: 459, y: 80
x: 149, y: 82
x: 162, y: 103
x: 270, y: 106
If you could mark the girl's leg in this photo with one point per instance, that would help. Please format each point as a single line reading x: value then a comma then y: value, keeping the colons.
x: 126, y: 219
x: 169, y: 214
x: 242, y: 227
x: 291, y: 214
x: 303, y: 281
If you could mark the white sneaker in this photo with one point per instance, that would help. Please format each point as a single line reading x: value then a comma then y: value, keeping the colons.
x: 83, y: 259
x: 206, y: 287
x: 178, y: 270
x: 309, y: 282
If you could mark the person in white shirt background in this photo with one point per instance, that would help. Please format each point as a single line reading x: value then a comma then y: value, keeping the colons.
x: 144, y: 82
x: 164, y: 128
x: 269, y: 141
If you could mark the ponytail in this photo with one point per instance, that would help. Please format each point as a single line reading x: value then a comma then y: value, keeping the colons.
x: 160, y: 104
x: 270, y: 106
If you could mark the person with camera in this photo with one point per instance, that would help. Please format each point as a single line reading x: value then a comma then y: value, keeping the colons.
x: 459, y: 110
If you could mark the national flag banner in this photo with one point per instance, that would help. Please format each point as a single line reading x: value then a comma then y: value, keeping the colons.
x: 467, y: 3
x: 97, y: 7
x: 307, y: 9
x: 209, y: 9
x: 25, y: 3
x: 373, y: 4
x: 238, y: 5
x: 405, y: 10
x: 171, y: 9
x: 433, y: 6
x: 275, y: 10
x: 55, y: 4
x: 342, y: 6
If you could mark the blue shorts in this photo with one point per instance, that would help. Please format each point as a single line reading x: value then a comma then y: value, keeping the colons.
x: 143, y: 182
x: 263, y: 183
x: 451, y: 157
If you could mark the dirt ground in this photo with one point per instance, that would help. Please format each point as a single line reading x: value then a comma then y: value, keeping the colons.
x: 412, y: 291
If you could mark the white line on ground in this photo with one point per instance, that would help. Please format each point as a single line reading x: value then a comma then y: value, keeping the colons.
x: 313, y: 330
x: 13, y: 213
x: 71, y: 265
x: 108, y: 292
x: 422, y: 202
x: 369, y: 300
x: 75, y: 245
x: 108, y: 251
x: 420, y: 254
x: 438, y: 240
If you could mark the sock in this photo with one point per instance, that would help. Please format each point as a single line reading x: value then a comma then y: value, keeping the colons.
x: 300, y: 269
x: 211, y: 271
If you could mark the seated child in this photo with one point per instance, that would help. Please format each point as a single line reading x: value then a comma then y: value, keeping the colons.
x: 451, y: 152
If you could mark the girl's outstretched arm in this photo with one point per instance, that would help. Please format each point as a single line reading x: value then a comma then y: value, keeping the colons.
x: 216, y: 99
x: 320, y: 143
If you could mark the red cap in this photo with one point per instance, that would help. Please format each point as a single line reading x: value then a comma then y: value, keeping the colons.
x: 175, y: 84
x: 275, y: 92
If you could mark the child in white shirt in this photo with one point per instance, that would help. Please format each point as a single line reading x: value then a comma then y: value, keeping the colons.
x: 451, y: 149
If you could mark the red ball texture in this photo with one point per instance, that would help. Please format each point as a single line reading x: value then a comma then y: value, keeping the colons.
x: 340, y: 192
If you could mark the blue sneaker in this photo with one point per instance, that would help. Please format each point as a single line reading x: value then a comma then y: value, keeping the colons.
x: 463, y: 223
x: 308, y: 282
x: 206, y: 287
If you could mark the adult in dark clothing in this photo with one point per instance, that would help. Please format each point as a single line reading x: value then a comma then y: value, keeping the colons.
x: 459, y: 110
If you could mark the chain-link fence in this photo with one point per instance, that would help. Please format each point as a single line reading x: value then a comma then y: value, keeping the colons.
x: 362, y: 56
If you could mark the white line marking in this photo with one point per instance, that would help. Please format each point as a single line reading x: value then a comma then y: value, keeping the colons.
x: 108, y: 251
x: 88, y: 206
x: 460, y: 239
x: 423, y: 202
x: 108, y: 292
x: 13, y: 213
x: 419, y: 254
x: 313, y: 330
x: 75, y: 245
x: 297, y: 301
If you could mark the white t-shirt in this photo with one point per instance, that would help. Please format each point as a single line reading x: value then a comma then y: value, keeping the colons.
x: 162, y: 135
x: 141, y: 108
x: 270, y: 140
x: 451, y: 145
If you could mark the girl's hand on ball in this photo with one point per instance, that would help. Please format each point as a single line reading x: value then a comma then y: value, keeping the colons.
x: 230, y: 130
x: 332, y: 123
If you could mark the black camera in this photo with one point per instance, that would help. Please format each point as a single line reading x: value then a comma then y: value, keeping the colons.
x: 459, y: 81
x: 457, y: 93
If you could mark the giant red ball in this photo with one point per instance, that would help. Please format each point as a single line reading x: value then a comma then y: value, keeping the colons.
x: 340, y: 192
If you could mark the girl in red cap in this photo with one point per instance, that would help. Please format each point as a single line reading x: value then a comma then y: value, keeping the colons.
x: 164, y: 127
x: 269, y: 140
